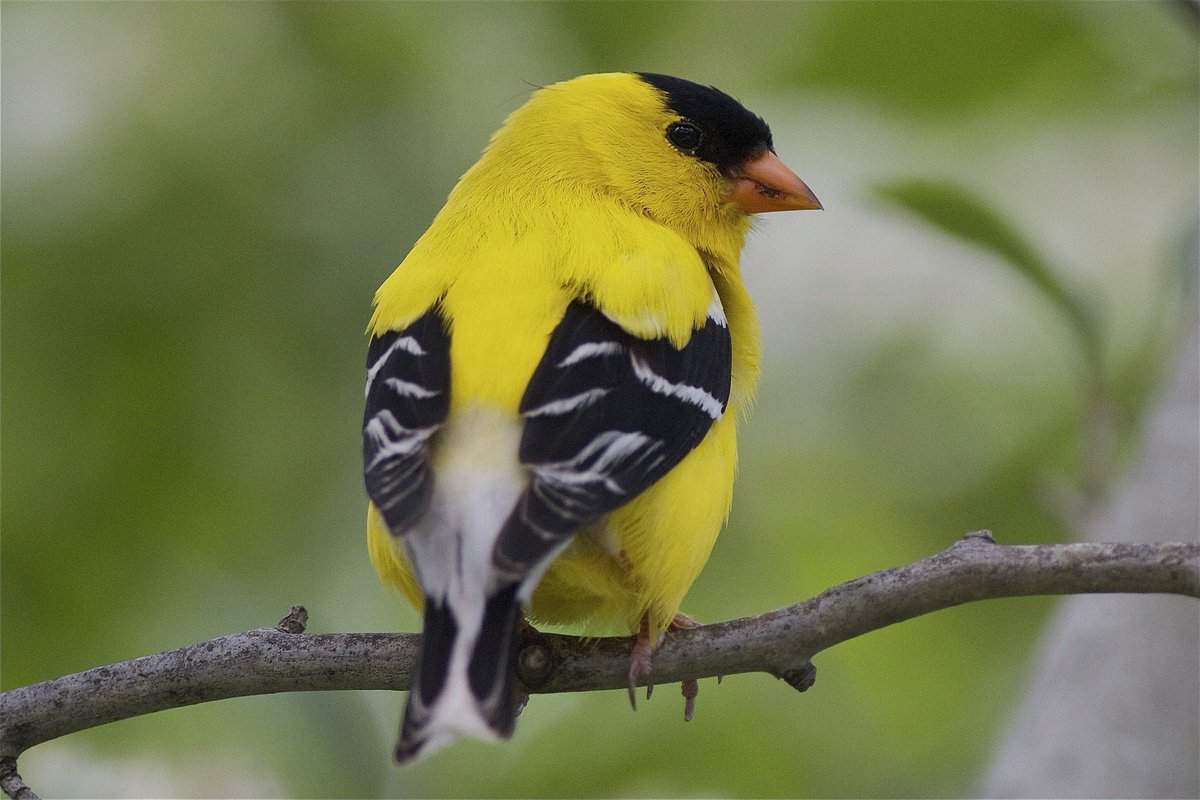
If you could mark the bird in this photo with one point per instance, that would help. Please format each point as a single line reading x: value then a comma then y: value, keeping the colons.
x: 555, y: 375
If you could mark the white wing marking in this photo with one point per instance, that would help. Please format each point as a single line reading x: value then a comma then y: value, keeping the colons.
x: 391, y: 439
x: 716, y: 310
x: 590, y: 350
x: 568, y: 404
x: 693, y: 395
x: 604, y: 451
x: 409, y: 389
x: 406, y: 343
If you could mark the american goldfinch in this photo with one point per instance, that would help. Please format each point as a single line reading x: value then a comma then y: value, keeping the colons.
x: 553, y: 382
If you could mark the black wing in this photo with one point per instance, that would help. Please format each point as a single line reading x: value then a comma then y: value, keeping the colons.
x: 408, y: 398
x: 606, y: 415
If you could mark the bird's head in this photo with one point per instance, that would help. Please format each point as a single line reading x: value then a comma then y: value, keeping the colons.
x: 688, y: 156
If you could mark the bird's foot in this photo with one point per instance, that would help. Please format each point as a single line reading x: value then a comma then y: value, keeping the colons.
x: 640, y: 661
x: 683, y: 622
x: 642, y: 657
x: 689, y: 687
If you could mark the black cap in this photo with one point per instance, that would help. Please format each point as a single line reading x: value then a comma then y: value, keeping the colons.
x: 731, y: 133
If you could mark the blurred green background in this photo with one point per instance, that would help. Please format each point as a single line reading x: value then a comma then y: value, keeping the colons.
x: 200, y: 199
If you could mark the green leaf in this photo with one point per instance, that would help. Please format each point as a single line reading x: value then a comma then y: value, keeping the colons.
x: 959, y: 213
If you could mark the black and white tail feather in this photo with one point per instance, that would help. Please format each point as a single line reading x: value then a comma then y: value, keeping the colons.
x: 605, y: 415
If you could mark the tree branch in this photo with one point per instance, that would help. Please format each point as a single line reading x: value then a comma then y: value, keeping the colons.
x: 780, y: 643
x: 11, y: 782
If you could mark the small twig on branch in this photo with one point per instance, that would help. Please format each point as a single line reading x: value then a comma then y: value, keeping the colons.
x: 11, y: 782
x: 781, y: 643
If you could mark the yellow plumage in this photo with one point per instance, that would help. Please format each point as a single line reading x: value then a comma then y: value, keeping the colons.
x: 578, y: 196
x: 583, y: 234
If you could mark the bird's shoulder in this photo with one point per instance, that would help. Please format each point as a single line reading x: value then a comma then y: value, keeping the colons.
x: 644, y: 276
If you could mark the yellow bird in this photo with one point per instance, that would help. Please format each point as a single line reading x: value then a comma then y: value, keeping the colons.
x: 554, y: 379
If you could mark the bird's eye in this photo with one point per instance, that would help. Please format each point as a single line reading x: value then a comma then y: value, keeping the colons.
x: 685, y: 135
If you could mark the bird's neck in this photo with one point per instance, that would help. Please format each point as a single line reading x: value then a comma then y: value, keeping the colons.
x: 524, y: 186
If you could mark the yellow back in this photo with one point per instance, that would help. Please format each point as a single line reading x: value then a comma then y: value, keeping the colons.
x: 580, y: 195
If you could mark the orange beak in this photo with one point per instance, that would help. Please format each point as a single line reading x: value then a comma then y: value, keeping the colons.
x: 764, y: 183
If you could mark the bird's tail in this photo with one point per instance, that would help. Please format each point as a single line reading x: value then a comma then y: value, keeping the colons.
x: 464, y: 681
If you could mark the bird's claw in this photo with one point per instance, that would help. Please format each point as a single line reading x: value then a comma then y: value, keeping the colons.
x: 641, y: 659
x: 639, y: 668
x: 690, y: 688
